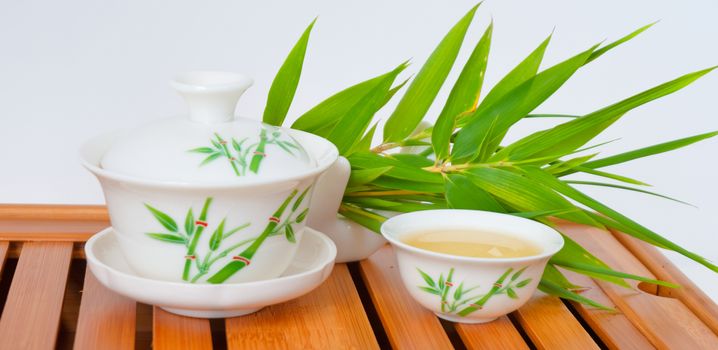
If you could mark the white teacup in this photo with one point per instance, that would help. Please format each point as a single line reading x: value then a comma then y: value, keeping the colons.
x: 467, y: 289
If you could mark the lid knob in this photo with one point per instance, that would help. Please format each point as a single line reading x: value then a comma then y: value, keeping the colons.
x: 211, y: 95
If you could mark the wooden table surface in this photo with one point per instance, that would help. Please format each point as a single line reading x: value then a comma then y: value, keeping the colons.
x: 49, y: 300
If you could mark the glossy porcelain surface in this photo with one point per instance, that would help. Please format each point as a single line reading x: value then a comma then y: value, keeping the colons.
x: 464, y: 289
x: 307, y: 270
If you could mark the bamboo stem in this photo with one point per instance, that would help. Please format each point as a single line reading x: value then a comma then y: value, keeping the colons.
x: 259, y: 152
x: 234, y: 266
x: 494, y: 290
x: 195, y: 239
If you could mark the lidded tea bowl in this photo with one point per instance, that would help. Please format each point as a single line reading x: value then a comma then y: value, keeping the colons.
x: 208, y: 197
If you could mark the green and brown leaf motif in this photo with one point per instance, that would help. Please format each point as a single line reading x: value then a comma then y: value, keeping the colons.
x: 243, y: 157
x: 193, y: 228
x: 460, y: 300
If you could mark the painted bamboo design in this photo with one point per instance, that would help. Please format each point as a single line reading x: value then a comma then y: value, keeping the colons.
x: 274, y: 226
x: 461, y: 299
x: 243, y: 158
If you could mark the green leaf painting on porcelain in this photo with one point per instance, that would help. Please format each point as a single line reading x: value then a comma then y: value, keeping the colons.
x: 196, y: 265
x: 245, y: 155
x: 462, y: 299
x: 465, y: 160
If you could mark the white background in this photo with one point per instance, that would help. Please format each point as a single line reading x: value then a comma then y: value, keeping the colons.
x: 72, y: 69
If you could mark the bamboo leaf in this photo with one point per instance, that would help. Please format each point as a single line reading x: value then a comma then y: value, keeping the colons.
x: 348, y: 130
x: 523, y: 283
x: 610, y: 175
x: 289, y: 234
x: 408, y: 185
x: 518, y: 273
x: 189, y: 223
x: 554, y: 289
x: 648, y: 151
x: 521, y: 73
x: 462, y: 193
x: 551, y: 116
x: 423, y: 89
x: 238, y: 145
x: 573, y: 134
x: 284, y: 86
x: 603, y: 184
x: 201, y: 150
x: 552, y: 274
x: 363, y: 176
x: 584, y: 268
x: 463, y: 96
x: 165, y: 220
x: 166, y: 237
x: 235, y: 230
x: 362, y: 217
x: 217, y: 236
x: 364, y: 145
x: 399, y: 169
x: 430, y: 290
x: 543, y: 213
x: 620, y: 41
x: 328, y: 112
x: 429, y: 281
x: 635, y: 229
x: 211, y: 157
x: 459, y: 292
x: 302, y: 216
x: 511, y: 293
x: 474, y: 140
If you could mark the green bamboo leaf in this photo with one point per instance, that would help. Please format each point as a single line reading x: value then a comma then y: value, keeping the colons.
x: 217, y: 236
x: 586, y: 269
x: 216, y: 145
x: 348, y: 130
x: 564, y: 165
x: 328, y: 112
x: 463, y: 96
x: 553, y: 275
x: 523, y: 283
x: 407, y: 185
x: 474, y: 140
x: 462, y: 193
x: 609, y: 175
x: 364, y: 145
x: 289, y: 234
x: 521, y: 73
x: 459, y: 292
x: 551, y: 116
x: 648, y: 151
x: 302, y: 216
x: 603, y: 184
x: 429, y: 281
x: 566, y: 137
x: 189, y: 223
x: 544, y: 213
x: 400, y: 167
x: 393, y: 205
x: 201, y: 150
x: 235, y: 230
x: 424, y: 88
x: 165, y: 220
x: 238, y: 145
x: 360, y: 177
x: 166, y: 237
x: 362, y: 217
x: 430, y: 290
x: 284, y: 86
x: 511, y: 293
x: 440, y: 283
x: 554, y: 289
x: 300, y: 199
x: 211, y: 157
x: 414, y: 160
x: 636, y: 229
x: 518, y: 273
x: 620, y: 41
x: 284, y: 147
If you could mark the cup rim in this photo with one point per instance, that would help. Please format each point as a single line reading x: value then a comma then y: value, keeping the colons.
x: 548, y: 248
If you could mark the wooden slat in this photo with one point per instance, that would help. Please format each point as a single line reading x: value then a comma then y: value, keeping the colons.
x: 4, y: 247
x: 614, y: 328
x: 49, y: 230
x: 31, y: 316
x: 550, y: 325
x: 170, y: 332
x: 666, y: 322
x: 330, y: 317
x: 498, y: 335
x: 692, y: 296
x: 107, y: 320
x: 407, y: 324
x: 78, y: 249
x: 53, y: 212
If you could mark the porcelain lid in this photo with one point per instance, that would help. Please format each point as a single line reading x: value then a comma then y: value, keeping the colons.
x: 209, y: 145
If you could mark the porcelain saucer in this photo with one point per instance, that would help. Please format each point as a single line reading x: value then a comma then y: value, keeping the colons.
x: 312, y: 264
